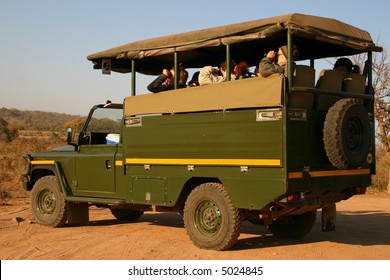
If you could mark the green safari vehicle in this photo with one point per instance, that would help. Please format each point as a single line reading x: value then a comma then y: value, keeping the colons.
x: 269, y: 150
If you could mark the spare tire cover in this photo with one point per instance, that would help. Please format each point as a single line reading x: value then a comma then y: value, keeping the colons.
x: 347, y: 134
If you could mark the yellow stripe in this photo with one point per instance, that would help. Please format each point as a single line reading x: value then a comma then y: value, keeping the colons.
x: 202, y: 161
x: 37, y: 162
x: 118, y: 163
x: 296, y: 175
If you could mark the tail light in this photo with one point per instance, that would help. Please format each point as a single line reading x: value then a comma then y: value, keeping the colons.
x: 360, y: 190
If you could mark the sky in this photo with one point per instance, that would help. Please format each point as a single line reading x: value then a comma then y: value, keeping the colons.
x: 44, y: 44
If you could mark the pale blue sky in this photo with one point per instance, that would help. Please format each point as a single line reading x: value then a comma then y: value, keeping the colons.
x: 44, y: 43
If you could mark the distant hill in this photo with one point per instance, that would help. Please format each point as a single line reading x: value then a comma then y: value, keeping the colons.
x: 36, y: 120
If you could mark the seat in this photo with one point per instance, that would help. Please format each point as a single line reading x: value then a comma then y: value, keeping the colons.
x: 303, y: 77
x: 354, y: 82
x: 329, y: 79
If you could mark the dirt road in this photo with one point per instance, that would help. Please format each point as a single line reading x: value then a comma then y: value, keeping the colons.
x: 363, y: 232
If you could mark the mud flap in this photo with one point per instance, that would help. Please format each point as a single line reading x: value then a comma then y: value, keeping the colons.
x: 329, y: 217
x: 78, y: 213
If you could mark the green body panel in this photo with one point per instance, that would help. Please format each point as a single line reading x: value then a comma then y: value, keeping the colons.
x: 95, y: 170
x: 305, y: 152
x: 212, y: 135
x: 229, y: 134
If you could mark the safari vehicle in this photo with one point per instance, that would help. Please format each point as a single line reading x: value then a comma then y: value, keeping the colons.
x: 270, y: 150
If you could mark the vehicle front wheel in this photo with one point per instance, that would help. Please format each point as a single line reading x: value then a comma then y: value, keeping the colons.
x: 210, y: 219
x: 48, y: 203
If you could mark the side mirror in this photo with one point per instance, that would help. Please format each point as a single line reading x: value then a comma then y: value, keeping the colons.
x: 69, y: 137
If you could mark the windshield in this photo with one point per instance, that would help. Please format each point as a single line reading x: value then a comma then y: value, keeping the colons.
x: 105, y: 120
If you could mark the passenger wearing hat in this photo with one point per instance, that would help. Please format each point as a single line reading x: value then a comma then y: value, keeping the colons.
x: 275, y: 62
x: 345, y: 65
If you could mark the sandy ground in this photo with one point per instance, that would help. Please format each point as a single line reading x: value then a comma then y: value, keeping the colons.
x: 363, y: 232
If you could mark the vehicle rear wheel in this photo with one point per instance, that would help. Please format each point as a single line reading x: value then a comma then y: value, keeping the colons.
x: 210, y: 219
x: 48, y: 203
x: 347, y: 134
x: 127, y: 214
x: 293, y: 227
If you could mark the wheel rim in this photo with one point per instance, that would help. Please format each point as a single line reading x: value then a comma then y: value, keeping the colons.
x: 46, y: 202
x: 208, y: 218
x: 354, y: 134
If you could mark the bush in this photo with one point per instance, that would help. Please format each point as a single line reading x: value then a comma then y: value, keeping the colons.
x: 380, y: 180
x: 11, y: 163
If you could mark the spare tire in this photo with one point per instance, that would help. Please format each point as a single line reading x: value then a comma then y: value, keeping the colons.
x: 347, y: 134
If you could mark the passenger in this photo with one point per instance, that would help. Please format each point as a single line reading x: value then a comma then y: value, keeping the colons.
x: 165, y: 81
x: 194, y: 80
x: 345, y: 65
x: 276, y: 62
x: 209, y: 75
x: 365, y: 68
x: 183, y: 76
x: 240, y: 70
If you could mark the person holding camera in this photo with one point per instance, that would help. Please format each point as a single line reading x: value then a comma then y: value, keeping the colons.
x: 209, y: 75
x: 166, y: 80
x: 275, y: 62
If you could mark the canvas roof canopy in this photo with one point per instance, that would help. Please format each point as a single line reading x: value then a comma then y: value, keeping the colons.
x: 315, y: 37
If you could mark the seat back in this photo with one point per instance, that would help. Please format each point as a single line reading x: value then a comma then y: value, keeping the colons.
x: 330, y: 80
x: 304, y: 76
x: 354, y: 82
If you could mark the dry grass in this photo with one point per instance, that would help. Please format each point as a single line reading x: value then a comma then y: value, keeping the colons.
x: 11, y: 162
x: 380, y: 180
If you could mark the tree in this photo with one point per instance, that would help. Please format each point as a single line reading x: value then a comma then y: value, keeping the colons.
x: 7, y: 132
x: 380, y: 83
x: 76, y: 125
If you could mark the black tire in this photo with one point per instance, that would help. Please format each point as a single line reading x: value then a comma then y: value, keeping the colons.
x: 210, y: 219
x: 293, y: 227
x: 48, y: 204
x: 347, y: 134
x: 127, y: 214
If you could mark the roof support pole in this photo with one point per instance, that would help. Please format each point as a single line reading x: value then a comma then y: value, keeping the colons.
x: 369, y: 73
x: 290, y: 59
x: 132, y: 77
x: 177, y: 69
x: 228, y: 63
